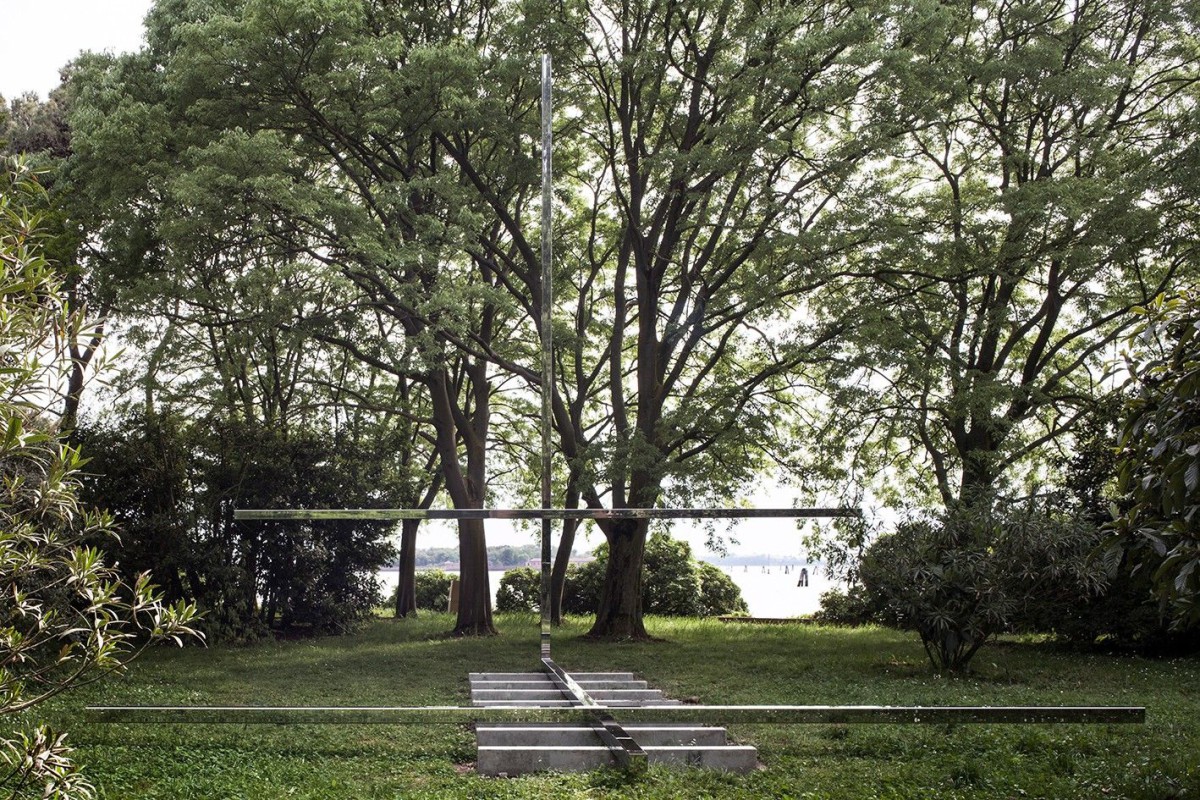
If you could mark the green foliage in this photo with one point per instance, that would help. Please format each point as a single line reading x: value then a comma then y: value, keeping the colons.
x: 581, y: 592
x: 851, y: 607
x: 1107, y: 601
x: 382, y: 157
x: 433, y: 589
x: 520, y: 590
x: 719, y: 594
x: 1037, y: 186
x: 672, y: 583
x: 1159, y: 471
x: 1125, y: 612
x: 173, y: 487
x: 32, y: 128
x: 690, y: 589
x: 675, y: 584
x: 960, y: 579
x: 67, y: 616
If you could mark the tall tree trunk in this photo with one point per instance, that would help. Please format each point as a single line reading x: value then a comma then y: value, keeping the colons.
x: 979, y: 459
x: 82, y: 354
x: 566, y: 544
x: 474, y: 588
x: 406, y: 585
x: 467, y: 490
x: 619, y: 614
x: 558, y: 575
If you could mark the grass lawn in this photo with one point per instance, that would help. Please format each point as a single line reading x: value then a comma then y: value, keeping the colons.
x: 410, y: 663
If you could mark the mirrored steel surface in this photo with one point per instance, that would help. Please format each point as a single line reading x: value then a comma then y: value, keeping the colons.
x: 384, y: 514
x: 726, y: 714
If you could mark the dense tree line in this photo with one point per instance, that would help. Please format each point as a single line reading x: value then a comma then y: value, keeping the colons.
x: 882, y: 250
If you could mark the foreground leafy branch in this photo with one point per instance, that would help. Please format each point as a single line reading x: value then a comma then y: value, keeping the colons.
x: 65, y: 616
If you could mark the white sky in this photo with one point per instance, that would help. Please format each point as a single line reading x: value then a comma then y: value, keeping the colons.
x: 38, y: 37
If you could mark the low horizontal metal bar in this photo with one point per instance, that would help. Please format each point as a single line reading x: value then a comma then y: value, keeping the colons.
x: 538, y: 513
x: 725, y: 714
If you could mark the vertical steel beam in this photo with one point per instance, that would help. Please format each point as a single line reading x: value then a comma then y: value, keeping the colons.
x: 547, y: 339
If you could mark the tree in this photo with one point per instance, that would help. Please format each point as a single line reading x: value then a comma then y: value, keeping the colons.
x: 39, y: 132
x: 375, y: 215
x: 173, y: 487
x: 1038, y: 191
x: 704, y: 145
x: 31, y: 127
x: 1159, y: 470
x: 67, y: 617
x: 703, y: 149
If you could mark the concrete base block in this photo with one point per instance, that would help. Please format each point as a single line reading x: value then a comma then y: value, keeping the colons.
x: 518, y: 748
x: 522, y: 760
x: 568, y: 734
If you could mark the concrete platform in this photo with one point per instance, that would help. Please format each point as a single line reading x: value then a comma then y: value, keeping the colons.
x: 519, y: 748
x: 646, y: 734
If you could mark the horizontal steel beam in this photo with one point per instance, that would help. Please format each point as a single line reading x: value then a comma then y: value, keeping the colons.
x: 538, y: 513
x: 784, y: 715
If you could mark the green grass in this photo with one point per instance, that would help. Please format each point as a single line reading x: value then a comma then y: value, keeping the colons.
x: 411, y: 663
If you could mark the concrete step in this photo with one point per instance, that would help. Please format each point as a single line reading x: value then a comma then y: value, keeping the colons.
x: 607, y: 684
x: 506, y: 676
x: 522, y: 760
x: 572, y: 735
x: 483, y: 690
x: 650, y: 697
x: 513, y: 684
x: 602, y: 676
x: 518, y: 748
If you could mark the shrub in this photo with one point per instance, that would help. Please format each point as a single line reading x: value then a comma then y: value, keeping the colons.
x: 581, y: 594
x: 520, y: 590
x: 675, y: 584
x: 433, y: 589
x: 66, y: 616
x: 851, y: 607
x: 1159, y: 470
x: 719, y: 595
x: 172, y: 485
x: 960, y: 579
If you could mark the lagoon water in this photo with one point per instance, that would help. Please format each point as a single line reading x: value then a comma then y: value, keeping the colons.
x: 767, y: 589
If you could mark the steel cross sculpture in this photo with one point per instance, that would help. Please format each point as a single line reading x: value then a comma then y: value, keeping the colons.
x: 584, y: 708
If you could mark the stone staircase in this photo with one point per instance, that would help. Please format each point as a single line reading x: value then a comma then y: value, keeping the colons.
x: 518, y: 748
